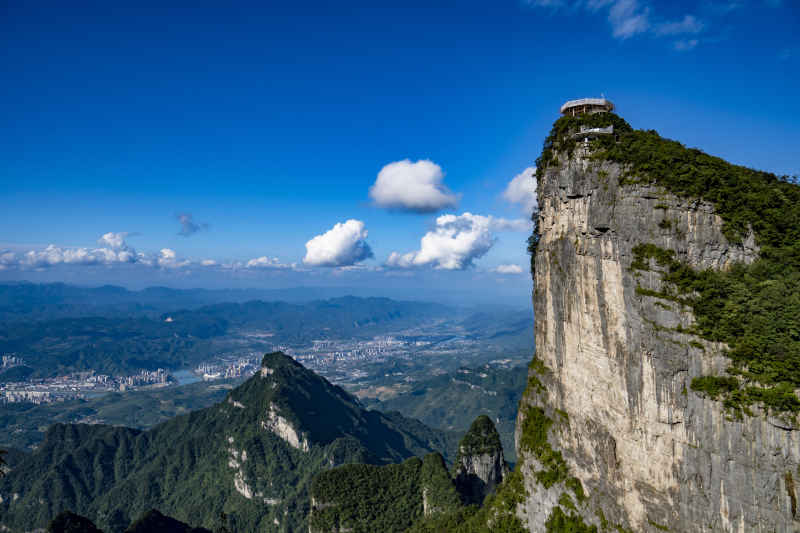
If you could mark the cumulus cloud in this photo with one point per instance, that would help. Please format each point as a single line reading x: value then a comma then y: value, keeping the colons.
x: 457, y: 241
x: 415, y: 187
x: 521, y: 190
x: 167, y: 258
x: 114, y: 240
x: 508, y: 269
x: 188, y: 225
x: 343, y: 245
x: 208, y: 263
x: 113, y: 250
x: 266, y: 262
x: 8, y: 259
x: 454, y: 244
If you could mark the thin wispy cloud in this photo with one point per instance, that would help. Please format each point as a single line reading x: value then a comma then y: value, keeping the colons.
x: 628, y: 18
x: 508, y: 269
x: 684, y: 45
x: 631, y: 18
x: 688, y: 25
x: 188, y: 226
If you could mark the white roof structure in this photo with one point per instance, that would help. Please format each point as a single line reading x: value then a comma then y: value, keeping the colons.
x: 590, y: 102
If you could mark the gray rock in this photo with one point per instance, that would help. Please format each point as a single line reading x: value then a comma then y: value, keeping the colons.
x: 649, y: 452
x: 480, y: 466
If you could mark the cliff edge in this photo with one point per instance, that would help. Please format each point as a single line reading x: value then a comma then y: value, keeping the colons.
x: 645, y: 409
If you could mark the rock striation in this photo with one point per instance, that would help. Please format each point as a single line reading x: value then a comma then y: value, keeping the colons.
x: 480, y: 466
x: 609, y: 432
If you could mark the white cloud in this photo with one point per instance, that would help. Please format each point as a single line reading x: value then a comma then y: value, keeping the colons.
x: 628, y: 18
x: 114, y: 240
x: 266, y: 262
x: 343, y: 245
x: 167, y: 258
x: 8, y: 259
x: 522, y: 190
x: 114, y: 251
x: 508, y: 269
x: 408, y: 186
x: 454, y: 244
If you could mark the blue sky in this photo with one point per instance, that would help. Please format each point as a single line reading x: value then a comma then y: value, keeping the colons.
x: 268, y: 123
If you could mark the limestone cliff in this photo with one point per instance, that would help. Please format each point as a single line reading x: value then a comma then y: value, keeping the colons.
x: 610, y: 432
x: 480, y: 466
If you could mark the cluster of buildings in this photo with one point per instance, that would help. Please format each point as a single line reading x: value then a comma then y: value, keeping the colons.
x: 145, y: 378
x: 328, y: 352
x: 241, y: 367
x: 11, y: 359
x: 78, y: 385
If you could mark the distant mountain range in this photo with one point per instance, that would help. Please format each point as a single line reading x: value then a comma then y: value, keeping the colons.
x: 252, y: 457
x: 124, y: 345
x: 45, y: 301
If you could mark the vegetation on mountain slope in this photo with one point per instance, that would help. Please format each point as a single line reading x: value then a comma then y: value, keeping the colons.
x: 216, y: 460
x: 367, y: 498
x: 452, y: 401
x: 482, y: 438
x: 23, y: 425
x: 755, y: 308
x: 418, y: 496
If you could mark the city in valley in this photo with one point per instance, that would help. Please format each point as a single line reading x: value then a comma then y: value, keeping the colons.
x: 366, y: 366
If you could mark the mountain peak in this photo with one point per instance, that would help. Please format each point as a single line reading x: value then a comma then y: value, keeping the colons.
x: 296, y: 404
x: 275, y: 360
x: 480, y: 466
x: 482, y: 438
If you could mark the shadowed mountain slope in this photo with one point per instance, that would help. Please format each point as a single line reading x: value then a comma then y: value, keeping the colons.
x: 251, y: 457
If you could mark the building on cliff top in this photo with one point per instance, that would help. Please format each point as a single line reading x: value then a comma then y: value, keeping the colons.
x: 587, y: 105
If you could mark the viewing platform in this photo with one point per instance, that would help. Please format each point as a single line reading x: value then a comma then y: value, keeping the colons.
x: 587, y: 133
x: 587, y: 105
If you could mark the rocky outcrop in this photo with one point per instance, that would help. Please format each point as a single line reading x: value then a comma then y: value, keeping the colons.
x: 480, y: 466
x: 609, y: 430
x: 284, y: 429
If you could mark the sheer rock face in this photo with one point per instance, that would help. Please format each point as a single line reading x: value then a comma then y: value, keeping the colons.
x: 648, y: 451
x: 480, y: 466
